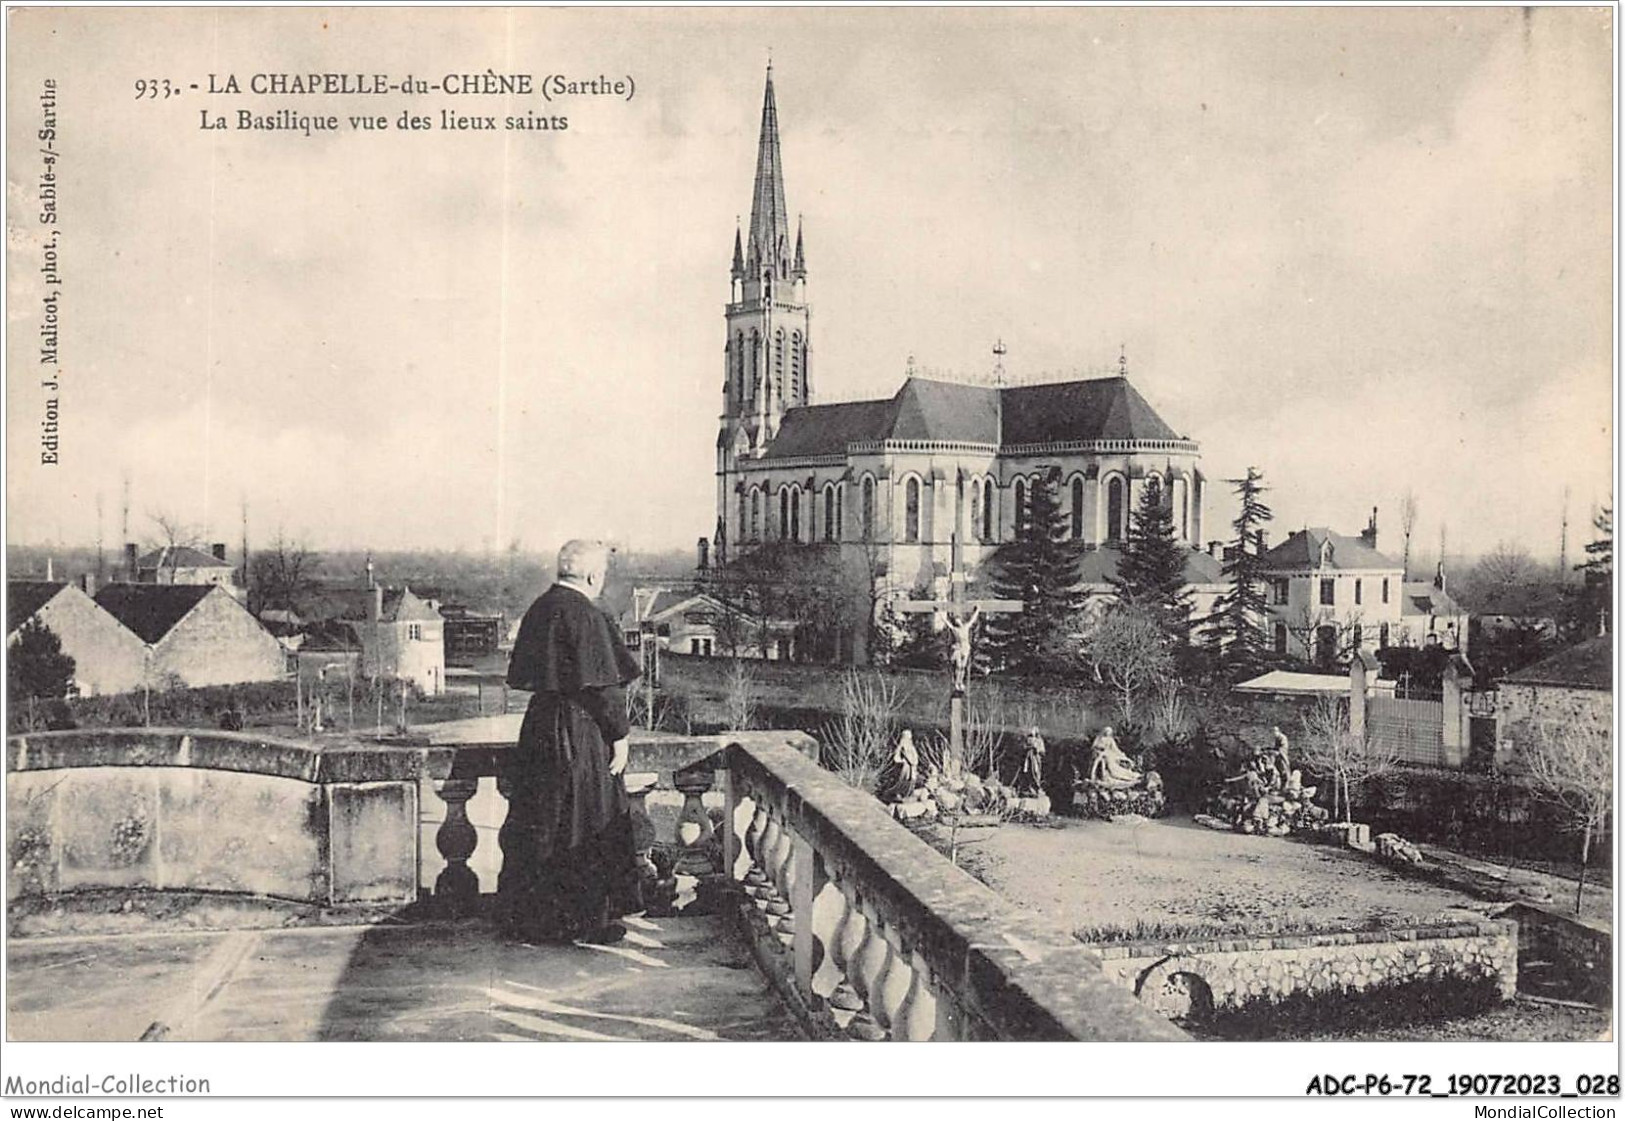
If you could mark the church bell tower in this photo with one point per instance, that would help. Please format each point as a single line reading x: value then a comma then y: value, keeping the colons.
x: 767, y: 350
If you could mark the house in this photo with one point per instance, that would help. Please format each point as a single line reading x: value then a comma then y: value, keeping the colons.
x: 686, y: 622
x: 1429, y: 616
x: 892, y: 487
x: 107, y: 656
x: 471, y: 636
x: 182, y: 564
x: 1329, y: 595
x: 398, y: 633
x: 1573, y: 689
x: 195, y: 634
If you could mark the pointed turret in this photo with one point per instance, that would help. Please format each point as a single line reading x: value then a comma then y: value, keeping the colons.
x: 799, y: 270
x: 769, y: 221
x: 738, y: 271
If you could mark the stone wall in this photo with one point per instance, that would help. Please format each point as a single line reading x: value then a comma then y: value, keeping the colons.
x: 1586, y: 711
x: 1177, y: 978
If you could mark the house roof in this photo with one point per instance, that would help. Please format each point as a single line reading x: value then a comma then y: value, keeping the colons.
x: 24, y: 598
x: 152, y: 610
x: 1423, y: 598
x: 1586, y: 665
x: 1286, y: 683
x: 1348, y: 554
x: 181, y: 556
x: 925, y: 409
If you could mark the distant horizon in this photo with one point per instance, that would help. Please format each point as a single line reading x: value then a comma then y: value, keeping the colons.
x: 1363, y: 249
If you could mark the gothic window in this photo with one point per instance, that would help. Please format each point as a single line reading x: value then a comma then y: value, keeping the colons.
x: 1021, y: 508
x: 739, y: 366
x: 795, y: 514
x: 778, y: 364
x: 830, y: 515
x: 1077, y: 509
x: 755, y: 362
x: 784, y: 513
x: 798, y: 373
x: 868, y: 509
x: 755, y: 514
x: 987, y: 510
x: 1179, y: 492
x: 840, y: 511
x: 1116, y: 509
x: 911, y: 511
x: 739, y: 526
x: 976, y: 510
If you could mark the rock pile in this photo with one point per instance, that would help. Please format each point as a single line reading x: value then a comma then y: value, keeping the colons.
x: 1391, y: 846
x: 1098, y: 800
x: 968, y: 797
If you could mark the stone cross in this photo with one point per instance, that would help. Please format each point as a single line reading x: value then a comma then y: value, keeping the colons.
x: 962, y: 614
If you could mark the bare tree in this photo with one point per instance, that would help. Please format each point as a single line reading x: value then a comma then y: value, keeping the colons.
x: 283, y: 574
x: 1329, y: 747
x: 1407, y: 526
x: 859, y: 740
x: 173, y: 534
x: 1304, y: 626
x: 739, y: 697
x: 1128, y: 651
x: 1573, y: 768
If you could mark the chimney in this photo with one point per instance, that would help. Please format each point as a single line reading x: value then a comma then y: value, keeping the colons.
x: 704, y: 554
x: 129, y: 561
x: 87, y: 584
x: 375, y: 610
x: 1215, y: 549
x: 1438, y: 576
x: 1368, y: 535
x: 219, y: 550
x: 1263, y: 541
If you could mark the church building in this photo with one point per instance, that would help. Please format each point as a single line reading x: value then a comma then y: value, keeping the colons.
x: 896, y: 483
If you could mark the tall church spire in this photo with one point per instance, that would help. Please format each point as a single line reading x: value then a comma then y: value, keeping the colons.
x: 769, y: 220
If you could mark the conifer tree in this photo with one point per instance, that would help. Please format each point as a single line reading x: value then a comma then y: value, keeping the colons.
x: 1236, y: 626
x: 1039, y: 568
x: 36, y: 667
x: 1151, y: 573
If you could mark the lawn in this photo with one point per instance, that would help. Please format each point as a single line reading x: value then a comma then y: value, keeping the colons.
x: 1117, y: 880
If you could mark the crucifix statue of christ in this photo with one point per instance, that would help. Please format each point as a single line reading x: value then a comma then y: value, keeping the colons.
x: 962, y: 615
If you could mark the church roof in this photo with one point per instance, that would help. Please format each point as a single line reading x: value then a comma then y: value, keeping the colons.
x: 924, y: 409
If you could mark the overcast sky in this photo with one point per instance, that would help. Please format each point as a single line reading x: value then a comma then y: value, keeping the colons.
x: 1359, y: 249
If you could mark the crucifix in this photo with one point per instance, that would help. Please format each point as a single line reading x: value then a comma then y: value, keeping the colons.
x: 962, y: 614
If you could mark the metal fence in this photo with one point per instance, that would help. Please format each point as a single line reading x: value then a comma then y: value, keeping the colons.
x: 1414, y: 729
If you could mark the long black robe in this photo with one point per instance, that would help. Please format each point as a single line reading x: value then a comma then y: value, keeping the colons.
x: 568, y: 860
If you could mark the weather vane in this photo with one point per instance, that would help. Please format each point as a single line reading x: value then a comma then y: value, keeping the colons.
x: 999, y: 351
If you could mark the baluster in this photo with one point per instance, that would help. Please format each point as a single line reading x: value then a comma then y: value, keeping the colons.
x: 457, y: 888
x: 745, y: 811
x: 779, y: 850
x: 829, y: 921
x: 756, y: 882
x: 807, y: 879
x: 895, y: 982
x: 917, y: 1019
x: 847, y: 945
x: 871, y: 959
x: 694, y: 828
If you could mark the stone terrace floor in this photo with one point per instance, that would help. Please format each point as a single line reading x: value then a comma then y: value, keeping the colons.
x: 689, y: 978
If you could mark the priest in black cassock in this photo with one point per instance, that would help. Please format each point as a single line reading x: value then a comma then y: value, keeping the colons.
x: 568, y: 862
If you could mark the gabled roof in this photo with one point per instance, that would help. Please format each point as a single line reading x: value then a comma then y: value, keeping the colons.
x: 355, y: 605
x: 152, y: 610
x: 181, y: 556
x: 1348, y: 554
x: 924, y: 409
x: 1586, y: 665
x: 24, y: 598
x: 1422, y: 597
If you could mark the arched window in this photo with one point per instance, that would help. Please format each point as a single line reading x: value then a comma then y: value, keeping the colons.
x: 831, y: 514
x: 1180, y: 492
x: 778, y: 364
x: 1116, y: 508
x: 911, y: 511
x: 976, y: 510
x: 755, y: 514
x: 868, y: 510
x: 739, y: 526
x: 987, y: 510
x: 1021, y: 508
x: 795, y: 514
x: 1077, y: 509
x: 784, y: 513
x: 739, y: 366
x: 755, y: 363
x: 798, y: 373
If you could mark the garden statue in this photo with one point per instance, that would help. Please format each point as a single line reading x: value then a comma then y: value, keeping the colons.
x: 907, y: 758
x: 961, y: 626
x: 1111, y: 767
x: 1030, y: 779
x: 1266, y: 795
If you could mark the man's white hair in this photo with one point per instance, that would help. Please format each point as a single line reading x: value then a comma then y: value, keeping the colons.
x: 580, y: 559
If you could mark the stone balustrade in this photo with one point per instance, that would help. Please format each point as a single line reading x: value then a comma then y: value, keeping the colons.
x: 872, y: 934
